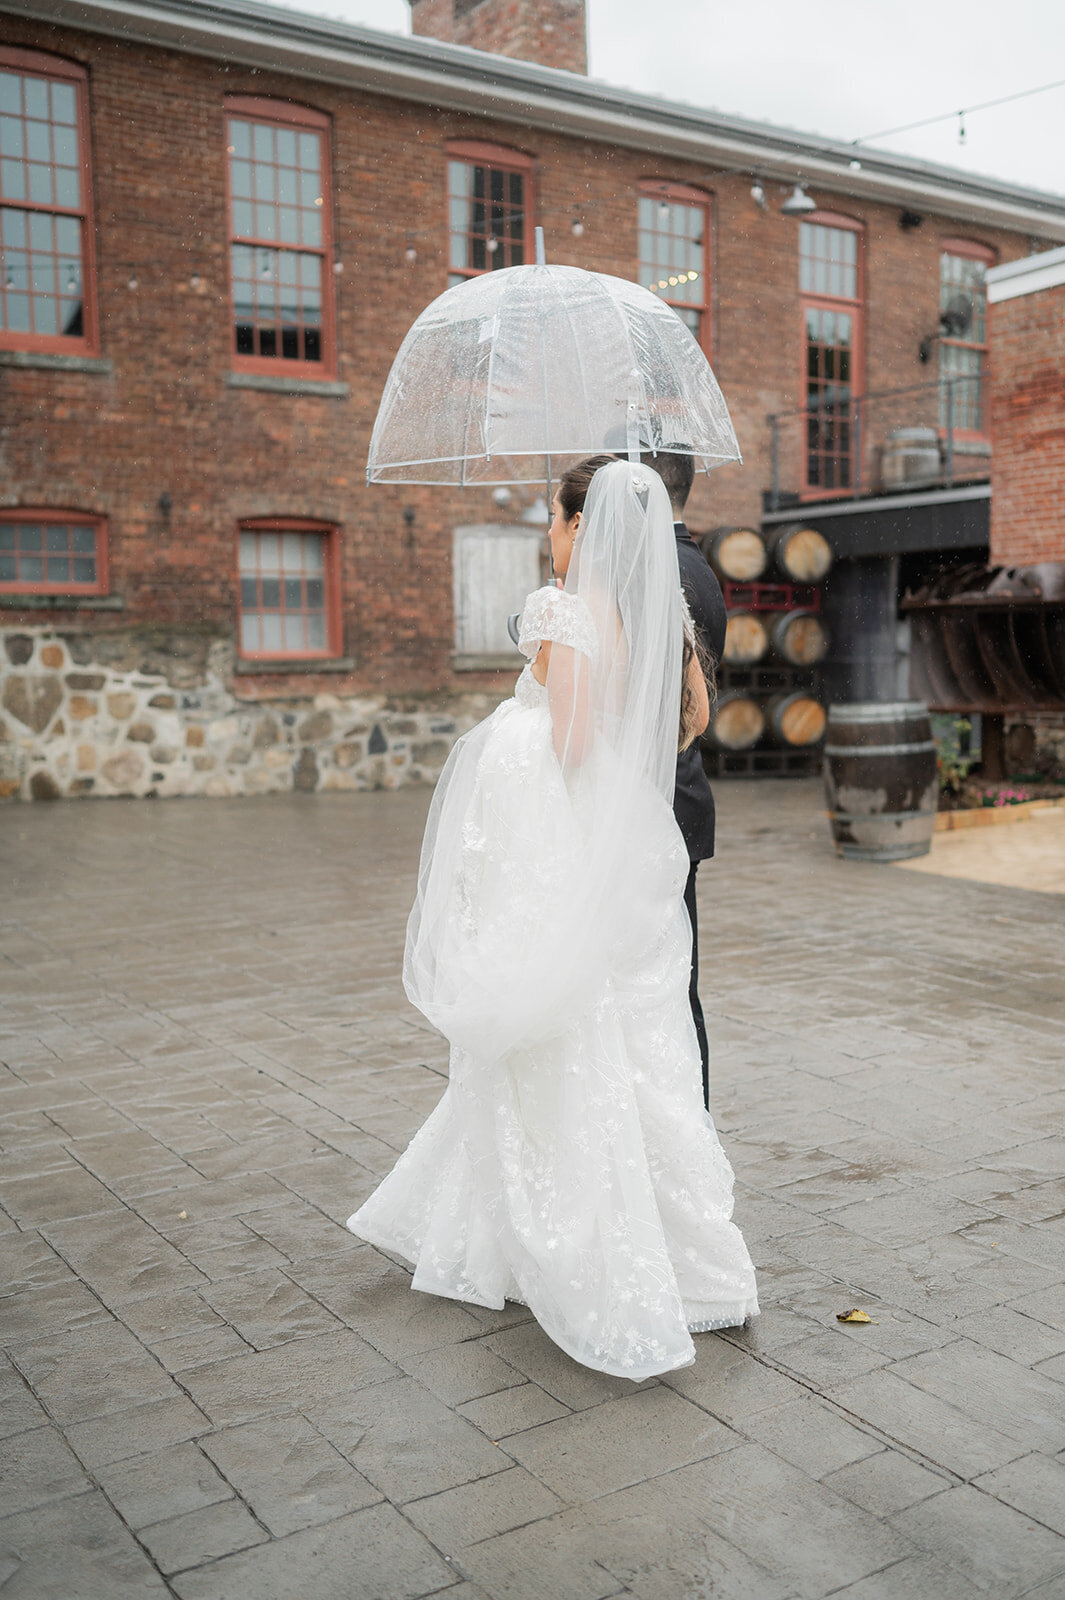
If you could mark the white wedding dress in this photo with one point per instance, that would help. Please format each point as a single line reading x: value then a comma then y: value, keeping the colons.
x: 571, y: 1164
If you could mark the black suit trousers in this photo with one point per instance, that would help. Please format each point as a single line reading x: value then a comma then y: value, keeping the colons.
x: 693, y: 982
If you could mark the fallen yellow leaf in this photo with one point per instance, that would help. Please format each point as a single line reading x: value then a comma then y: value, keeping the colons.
x: 852, y: 1316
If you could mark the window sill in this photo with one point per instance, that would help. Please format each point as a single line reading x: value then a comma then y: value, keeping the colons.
x: 328, y: 388
x: 248, y: 668
x: 55, y: 362
x: 503, y: 661
x: 62, y: 602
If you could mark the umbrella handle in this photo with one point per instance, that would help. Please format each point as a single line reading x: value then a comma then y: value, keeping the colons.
x: 541, y: 258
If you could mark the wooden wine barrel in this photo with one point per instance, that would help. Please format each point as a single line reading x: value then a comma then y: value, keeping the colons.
x: 802, y: 554
x: 796, y: 720
x: 746, y: 639
x: 736, y: 554
x: 800, y: 637
x: 881, y: 781
x: 736, y: 722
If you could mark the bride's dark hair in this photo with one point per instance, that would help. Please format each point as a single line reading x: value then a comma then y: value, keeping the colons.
x: 573, y: 489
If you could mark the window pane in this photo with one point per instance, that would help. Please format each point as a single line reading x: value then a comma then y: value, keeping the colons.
x: 12, y: 180
x: 316, y: 639
x: 11, y: 92
x: 239, y: 137
x: 58, y: 569
x: 286, y: 147
x: 262, y: 141
x: 270, y: 592
x: 292, y: 632
x: 31, y: 569
x: 41, y: 186
x: 84, y: 570
x: 7, y: 536
x: 35, y: 93
x: 270, y: 631
x: 249, y: 633
x: 64, y: 103
x: 7, y: 569
x: 249, y: 591
x: 292, y: 552
x: 268, y: 551
x: 55, y: 537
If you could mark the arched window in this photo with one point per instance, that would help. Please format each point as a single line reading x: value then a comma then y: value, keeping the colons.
x: 963, y: 268
x: 47, y: 293
x: 831, y: 293
x: 490, y: 208
x: 52, y: 552
x: 289, y: 570
x: 281, y: 238
x: 674, y: 248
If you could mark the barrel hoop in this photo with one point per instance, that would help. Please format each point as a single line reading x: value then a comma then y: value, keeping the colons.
x: 879, y: 749
x: 877, y: 710
x: 878, y: 816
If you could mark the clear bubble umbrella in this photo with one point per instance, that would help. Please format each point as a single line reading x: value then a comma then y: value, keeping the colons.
x: 503, y: 377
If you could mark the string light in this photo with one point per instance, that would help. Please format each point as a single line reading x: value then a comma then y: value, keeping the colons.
x: 673, y: 282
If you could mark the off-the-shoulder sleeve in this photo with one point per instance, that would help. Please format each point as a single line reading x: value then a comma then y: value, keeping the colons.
x: 551, y: 613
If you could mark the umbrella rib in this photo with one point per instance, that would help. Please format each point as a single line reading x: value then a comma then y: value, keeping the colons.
x: 580, y: 363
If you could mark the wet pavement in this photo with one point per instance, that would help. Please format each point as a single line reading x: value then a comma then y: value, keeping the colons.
x: 212, y: 1391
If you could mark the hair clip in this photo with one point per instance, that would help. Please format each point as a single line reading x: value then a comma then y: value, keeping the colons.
x: 642, y: 488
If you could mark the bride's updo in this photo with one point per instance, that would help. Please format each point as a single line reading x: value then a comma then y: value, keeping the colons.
x: 573, y: 488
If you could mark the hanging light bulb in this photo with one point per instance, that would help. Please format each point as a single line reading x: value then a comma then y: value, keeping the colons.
x: 758, y: 196
x: 577, y: 227
x: 492, y: 245
x: 72, y: 280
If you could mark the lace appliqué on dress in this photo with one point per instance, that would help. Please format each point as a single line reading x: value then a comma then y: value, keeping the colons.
x: 551, y: 613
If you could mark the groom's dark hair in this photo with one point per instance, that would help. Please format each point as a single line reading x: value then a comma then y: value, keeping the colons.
x: 676, y: 468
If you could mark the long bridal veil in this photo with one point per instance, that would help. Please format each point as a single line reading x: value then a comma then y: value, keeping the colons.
x: 534, y: 874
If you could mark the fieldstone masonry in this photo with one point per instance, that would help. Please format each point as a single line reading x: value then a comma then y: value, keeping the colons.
x: 133, y: 714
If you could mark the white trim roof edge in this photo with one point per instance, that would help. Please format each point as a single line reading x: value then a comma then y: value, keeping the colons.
x: 1027, y: 276
x: 271, y: 36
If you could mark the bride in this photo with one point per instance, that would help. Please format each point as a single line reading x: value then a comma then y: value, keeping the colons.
x: 570, y: 1164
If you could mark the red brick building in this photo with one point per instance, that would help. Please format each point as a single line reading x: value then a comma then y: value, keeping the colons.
x: 1028, y: 410
x: 217, y: 224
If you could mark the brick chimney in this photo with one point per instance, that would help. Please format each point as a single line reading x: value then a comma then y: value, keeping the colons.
x: 551, y: 32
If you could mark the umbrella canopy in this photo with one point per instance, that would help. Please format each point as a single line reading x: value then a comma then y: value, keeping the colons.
x: 502, y: 375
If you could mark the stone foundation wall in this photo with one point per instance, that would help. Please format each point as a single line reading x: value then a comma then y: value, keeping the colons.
x: 143, y: 713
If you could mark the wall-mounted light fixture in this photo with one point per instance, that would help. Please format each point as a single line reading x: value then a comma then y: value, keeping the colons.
x: 798, y: 203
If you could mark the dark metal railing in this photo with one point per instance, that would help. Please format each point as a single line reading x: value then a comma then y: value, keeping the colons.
x: 846, y: 446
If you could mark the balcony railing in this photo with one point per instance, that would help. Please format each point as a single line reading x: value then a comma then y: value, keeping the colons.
x: 894, y: 441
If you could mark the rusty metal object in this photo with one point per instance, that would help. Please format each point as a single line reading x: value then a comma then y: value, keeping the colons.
x: 990, y: 639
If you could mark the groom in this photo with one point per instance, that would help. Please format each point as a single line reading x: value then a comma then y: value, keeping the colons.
x: 693, y: 803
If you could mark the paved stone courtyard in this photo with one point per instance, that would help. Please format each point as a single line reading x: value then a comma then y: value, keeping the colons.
x: 213, y: 1391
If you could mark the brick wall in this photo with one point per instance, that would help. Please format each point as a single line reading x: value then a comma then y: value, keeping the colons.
x: 164, y: 423
x: 551, y: 32
x: 1027, y: 342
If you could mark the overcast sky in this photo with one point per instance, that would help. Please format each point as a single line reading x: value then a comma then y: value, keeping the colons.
x: 839, y: 69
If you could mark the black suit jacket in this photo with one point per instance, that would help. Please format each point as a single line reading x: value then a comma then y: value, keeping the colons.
x: 693, y: 803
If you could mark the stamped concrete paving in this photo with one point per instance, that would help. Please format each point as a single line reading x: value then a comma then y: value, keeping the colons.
x: 212, y: 1391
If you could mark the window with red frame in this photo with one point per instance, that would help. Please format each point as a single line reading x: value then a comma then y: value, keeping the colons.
x: 289, y: 599
x: 52, y: 552
x: 489, y: 210
x: 963, y: 353
x: 280, y: 237
x: 674, y: 244
x: 830, y: 285
x: 45, y: 205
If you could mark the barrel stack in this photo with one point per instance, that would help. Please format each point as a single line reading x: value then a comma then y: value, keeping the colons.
x: 769, y: 718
